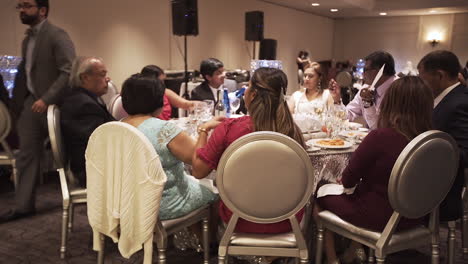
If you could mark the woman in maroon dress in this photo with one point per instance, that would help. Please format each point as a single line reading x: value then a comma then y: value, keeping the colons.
x: 269, y: 111
x: 405, y: 113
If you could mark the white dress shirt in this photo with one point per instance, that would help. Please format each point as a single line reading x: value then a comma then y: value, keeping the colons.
x: 444, y: 93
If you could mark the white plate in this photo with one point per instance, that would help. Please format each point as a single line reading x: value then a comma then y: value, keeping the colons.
x: 354, y: 125
x: 312, y: 149
x: 344, y: 146
x: 353, y: 134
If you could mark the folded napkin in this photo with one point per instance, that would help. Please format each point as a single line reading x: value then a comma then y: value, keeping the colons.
x: 333, y: 189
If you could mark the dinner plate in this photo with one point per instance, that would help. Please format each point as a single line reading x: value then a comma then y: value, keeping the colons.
x: 312, y: 149
x: 353, y: 134
x: 315, y: 142
x: 354, y: 125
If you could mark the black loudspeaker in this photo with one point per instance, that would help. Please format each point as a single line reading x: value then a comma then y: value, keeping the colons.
x: 184, y: 17
x: 268, y: 49
x: 254, y: 25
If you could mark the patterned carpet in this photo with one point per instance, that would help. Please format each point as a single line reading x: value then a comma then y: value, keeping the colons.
x: 37, y: 239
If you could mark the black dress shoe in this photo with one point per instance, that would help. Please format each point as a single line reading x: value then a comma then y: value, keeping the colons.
x: 12, y: 215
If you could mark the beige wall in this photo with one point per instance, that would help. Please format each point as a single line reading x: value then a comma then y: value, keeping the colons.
x: 129, y: 36
x: 406, y: 38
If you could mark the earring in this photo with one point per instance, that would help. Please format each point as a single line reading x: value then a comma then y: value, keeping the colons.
x: 319, y: 85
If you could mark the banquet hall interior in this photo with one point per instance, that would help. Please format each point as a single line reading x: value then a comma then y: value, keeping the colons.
x: 129, y: 35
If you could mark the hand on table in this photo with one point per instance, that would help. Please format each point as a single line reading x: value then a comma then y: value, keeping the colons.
x: 213, y: 123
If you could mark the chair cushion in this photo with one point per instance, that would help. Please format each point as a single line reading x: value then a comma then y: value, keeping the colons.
x: 173, y: 225
x: 336, y: 224
x: 283, y: 240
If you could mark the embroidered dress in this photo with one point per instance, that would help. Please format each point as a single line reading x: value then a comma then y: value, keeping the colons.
x: 182, y: 194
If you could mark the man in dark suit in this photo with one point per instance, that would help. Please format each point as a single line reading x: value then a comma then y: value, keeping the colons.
x: 83, y: 111
x: 439, y: 70
x: 41, y: 80
x: 212, y: 71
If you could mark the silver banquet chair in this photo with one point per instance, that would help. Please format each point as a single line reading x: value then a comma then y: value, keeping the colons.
x: 7, y: 156
x: 427, y: 165
x: 70, y: 195
x: 116, y: 108
x: 451, y: 236
x: 108, y: 137
x: 265, y: 177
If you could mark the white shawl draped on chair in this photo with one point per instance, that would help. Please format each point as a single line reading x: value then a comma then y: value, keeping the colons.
x: 125, y: 181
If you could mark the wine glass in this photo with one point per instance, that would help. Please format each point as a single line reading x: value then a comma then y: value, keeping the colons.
x: 234, y: 102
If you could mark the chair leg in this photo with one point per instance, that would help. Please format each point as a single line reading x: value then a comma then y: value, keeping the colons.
x: 101, y: 253
x: 70, y: 217
x: 206, y: 241
x: 318, y: 253
x: 371, y: 258
x: 435, y: 252
x: 222, y: 260
x: 63, y: 247
x: 303, y: 261
x: 15, y: 173
x: 162, y: 255
x: 380, y: 260
x: 464, y: 225
x: 451, y: 242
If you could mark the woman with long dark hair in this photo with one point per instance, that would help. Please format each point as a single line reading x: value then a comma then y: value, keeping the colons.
x: 265, y: 102
x: 405, y: 112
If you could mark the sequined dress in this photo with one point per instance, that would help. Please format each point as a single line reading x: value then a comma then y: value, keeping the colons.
x: 182, y: 194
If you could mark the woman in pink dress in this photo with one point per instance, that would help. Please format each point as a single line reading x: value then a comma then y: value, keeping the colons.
x: 264, y: 99
x: 405, y: 112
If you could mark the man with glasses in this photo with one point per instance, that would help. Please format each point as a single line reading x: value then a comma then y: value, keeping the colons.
x: 42, y: 77
x: 366, y: 104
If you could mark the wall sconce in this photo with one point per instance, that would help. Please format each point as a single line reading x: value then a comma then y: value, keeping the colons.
x: 434, y: 38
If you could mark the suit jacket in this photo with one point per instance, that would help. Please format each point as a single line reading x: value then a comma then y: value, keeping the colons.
x: 52, y: 57
x: 451, y: 116
x: 81, y: 113
x: 203, y: 92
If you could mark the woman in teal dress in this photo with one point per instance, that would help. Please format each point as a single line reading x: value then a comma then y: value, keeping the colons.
x: 142, y: 98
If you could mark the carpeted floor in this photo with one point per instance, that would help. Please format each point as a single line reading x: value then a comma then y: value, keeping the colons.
x: 37, y: 239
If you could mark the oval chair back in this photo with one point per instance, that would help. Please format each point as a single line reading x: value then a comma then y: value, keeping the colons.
x: 265, y: 177
x: 116, y: 108
x: 423, y: 174
x: 5, y: 121
x: 55, y: 135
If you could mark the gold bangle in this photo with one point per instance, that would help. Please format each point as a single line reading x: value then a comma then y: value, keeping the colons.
x: 201, y: 129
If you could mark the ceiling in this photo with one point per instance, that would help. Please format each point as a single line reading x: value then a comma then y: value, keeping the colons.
x: 370, y: 8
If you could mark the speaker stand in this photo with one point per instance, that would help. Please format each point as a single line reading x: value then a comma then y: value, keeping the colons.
x: 186, y: 94
x: 253, y: 54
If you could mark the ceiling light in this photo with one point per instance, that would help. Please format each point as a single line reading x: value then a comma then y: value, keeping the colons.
x: 315, y: 4
x: 333, y: 10
x: 382, y: 13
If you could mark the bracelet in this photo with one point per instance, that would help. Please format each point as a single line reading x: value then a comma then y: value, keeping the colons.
x: 201, y: 129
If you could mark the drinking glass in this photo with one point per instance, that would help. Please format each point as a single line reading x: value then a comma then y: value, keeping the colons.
x: 234, y: 102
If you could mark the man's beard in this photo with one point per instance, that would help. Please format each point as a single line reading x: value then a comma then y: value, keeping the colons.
x: 29, y: 19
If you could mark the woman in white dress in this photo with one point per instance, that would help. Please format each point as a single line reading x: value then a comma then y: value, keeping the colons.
x: 314, y: 98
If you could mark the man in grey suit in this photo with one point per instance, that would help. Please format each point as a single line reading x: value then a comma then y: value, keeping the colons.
x: 41, y: 80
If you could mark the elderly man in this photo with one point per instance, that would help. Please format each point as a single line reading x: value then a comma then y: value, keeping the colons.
x: 439, y: 70
x: 83, y: 111
x: 42, y: 77
x: 366, y: 104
